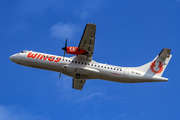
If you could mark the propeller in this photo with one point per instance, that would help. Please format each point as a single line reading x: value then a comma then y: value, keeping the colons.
x: 65, y: 49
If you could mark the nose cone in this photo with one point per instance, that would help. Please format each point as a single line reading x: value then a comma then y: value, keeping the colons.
x: 11, y: 57
x: 16, y: 59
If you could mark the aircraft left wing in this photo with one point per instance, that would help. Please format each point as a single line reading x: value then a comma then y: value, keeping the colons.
x: 78, y: 83
x: 88, y: 40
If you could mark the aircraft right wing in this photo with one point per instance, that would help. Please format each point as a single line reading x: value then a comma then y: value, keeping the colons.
x: 78, y: 83
x: 88, y: 40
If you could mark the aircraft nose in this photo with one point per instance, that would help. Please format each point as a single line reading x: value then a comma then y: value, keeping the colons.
x: 12, y: 57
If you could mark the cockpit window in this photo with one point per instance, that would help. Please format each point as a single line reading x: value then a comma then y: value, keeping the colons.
x: 23, y: 52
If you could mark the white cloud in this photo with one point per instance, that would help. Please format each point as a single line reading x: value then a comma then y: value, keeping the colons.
x: 64, y: 84
x: 89, y: 93
x: 63, y: 31
x: 113, y: 97
x: 14, y: 113
x: 91, y: 96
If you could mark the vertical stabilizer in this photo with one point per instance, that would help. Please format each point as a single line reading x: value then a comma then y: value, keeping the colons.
x: 158, y: 65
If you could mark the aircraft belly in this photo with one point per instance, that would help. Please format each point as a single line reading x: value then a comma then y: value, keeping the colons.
x: 112, y: 75
x: 125, y: 77
x: 134, y: 79
x: 81, y: 73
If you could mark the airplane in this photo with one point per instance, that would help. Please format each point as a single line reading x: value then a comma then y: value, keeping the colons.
x: 81, y: 66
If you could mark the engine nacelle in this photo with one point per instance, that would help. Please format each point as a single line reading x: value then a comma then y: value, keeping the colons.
x: 75, y: 51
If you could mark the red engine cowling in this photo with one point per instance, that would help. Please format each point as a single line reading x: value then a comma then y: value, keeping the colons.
x: 75, y: 51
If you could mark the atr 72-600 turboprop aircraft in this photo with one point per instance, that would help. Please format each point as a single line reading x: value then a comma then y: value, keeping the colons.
x: 82, y: 67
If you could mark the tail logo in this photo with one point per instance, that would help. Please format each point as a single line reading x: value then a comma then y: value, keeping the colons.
x: 156, y: 66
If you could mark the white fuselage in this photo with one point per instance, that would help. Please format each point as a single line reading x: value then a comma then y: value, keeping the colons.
x: 81, y: 68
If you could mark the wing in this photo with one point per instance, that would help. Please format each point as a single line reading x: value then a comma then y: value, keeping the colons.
x: 88, y: 40
x: 78, y: 83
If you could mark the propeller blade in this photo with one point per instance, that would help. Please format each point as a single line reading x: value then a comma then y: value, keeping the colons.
x: 65, y: 48
x: 59, y: 75
x: 64, y: 54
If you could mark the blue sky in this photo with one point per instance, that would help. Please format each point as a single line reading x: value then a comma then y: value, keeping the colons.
x: 129, y: 33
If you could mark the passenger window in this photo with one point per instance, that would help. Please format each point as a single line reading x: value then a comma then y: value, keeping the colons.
x: 91, y: 64
x: 95, y: 65
x: 114, y: 68
x: 98, y: 65
x: 66, y: 60
x: 108, y: 67
x: 72, y: 61
x: 85, y: 63
x: 111, y: 68
x: 117, y: 69
x: 105, y: 67
x: 101, y: 66
x: 82, y: 62
x: 88, y: 64
x: 75, y: 61
x: 69, y: 61
x: 79, y: 62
